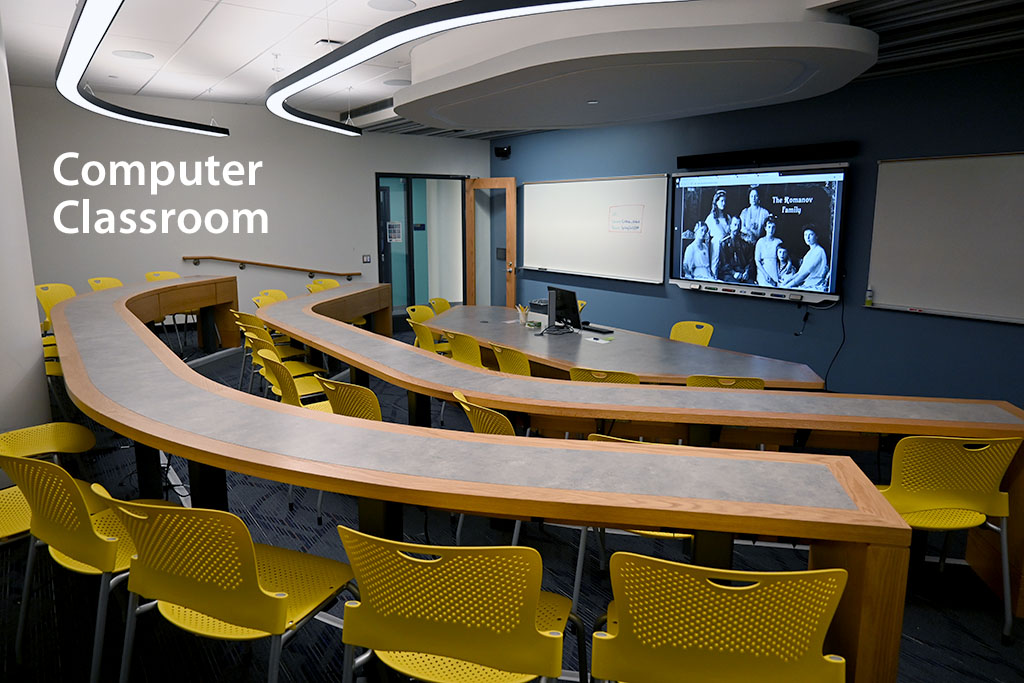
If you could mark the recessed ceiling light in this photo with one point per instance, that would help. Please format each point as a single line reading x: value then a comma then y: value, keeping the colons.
x: 398, y: 82
x: 132, y: 54
x: 592, y: 102
x: 392, y: 5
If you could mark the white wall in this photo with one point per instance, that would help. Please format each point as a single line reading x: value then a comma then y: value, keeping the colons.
x: 23, y: 397
x: 444, y: 238
x: 318, y: 189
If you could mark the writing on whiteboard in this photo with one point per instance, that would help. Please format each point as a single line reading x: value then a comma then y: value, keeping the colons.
x: 626, y: 218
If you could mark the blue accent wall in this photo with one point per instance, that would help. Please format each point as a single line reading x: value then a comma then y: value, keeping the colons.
x: 972, y: 109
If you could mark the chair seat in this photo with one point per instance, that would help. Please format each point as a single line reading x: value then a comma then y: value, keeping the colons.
x: 666, y: 535
x: 358, y: 321
x: 286, y: 352
x: 944, y: 519
x: 552, y: 614
x: 322, y: 406
x: 15, y: 514
x: 300, y: 368
x: 308, y: 580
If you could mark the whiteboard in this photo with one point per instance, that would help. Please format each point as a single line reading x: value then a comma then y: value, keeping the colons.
x: 604, y: 227
x: 948, y: 237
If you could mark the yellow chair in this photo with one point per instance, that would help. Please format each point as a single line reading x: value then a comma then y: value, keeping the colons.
x: 326, y: 283
x: 608, y: 376
x: 717, y: 624
x: 485, y: 421
x: 425, y: 339
x: 49, y: 295
x: 947, y: 484
x: 465, y: 349
x: 456, y: 615
x: 262, y: 300
x: 439, y: 304
x: 275, y: 294
x: 205, y: 575
x: 420, y: 313
x: 302, y: 372
x: 351, y: 400
x: 245, y: 321
x: 314, y: 288
x: 581, y: 303
x: 512, y: 361
x: 725, y: 382
x: 692, y: 332
x: 160, y: 276
x: 82, y: 534
x: 99, y: 283
x: 284, y: 350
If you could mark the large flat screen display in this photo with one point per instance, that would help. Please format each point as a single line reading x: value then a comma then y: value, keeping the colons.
x: 770, y: 233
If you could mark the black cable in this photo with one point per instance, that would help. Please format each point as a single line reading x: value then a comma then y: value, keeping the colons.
x: 842, y: 322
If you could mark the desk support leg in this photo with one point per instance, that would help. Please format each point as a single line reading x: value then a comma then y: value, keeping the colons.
x: 419, y: 409
x: 712, y: 549
x: 147, y: 464
x: 380, y: 518
x: 208, y: 486
x: 868, y: 624
x: 207, y: 329
x: 360, y: 377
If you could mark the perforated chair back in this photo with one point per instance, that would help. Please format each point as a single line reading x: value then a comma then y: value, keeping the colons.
x: 608, y: 376
x: 512, y: 361
x: 351, y: 399
x: 98, y: 283
x: 946, y: 483
x: 420, y: 313
x: 477, y: 604
x: 51, y: 294
x: 155, y: 275
x: 201, y: 560
x: 262, y: 301
x: 465, y: 349
x: 280, y: 377
x: 425, y: 338
x: 692, y: 332
x: 725, y: 382
x: 717, y: 624
x: 439, y: 304
x: 60, y: 514
x: 314, y: 288
x: 326, y: 282
x: 484, y: 420
x: 580, y: 303
x: 243, y: 318
x: 275, y: 294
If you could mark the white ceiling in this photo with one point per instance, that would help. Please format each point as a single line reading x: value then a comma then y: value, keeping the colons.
x: 220, y: 50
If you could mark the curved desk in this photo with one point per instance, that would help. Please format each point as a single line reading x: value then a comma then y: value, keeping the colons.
x: 122, y: 376
x: 657, y: 360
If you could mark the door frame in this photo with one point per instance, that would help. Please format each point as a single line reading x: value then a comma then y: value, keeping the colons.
x: 472, y: 185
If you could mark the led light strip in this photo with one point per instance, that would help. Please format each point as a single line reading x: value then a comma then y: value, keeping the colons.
x: 91, y: 22
x: 404, y: 30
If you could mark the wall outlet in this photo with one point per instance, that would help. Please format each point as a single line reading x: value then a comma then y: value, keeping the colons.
x: 366, y: 258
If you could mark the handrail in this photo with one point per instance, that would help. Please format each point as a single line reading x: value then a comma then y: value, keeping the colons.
x: 242, y: 263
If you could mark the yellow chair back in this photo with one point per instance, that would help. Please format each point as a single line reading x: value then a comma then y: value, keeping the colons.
x: 725, y: 382
x: 351, y: 399
x: 476, y: 604
x: 51, y: 294
x: 608, y: 376
x: 425, y: 338
x: 439, y: 304
x: 262, y: 300
x: 465, y: 349
x: 314, y: 288
x: 484, y: 420
x: 512, y: 361
x: 941, y: 482
x: 717, y: 624
x: 420, y: 313
x: 281, y: 378
x: 275, y: 294
x: 98, y: 283
x: 326, y: 283
x: 154, y: 275
x: 692, y: 332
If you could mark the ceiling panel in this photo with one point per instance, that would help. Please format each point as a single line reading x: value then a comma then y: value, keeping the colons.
x: 47, y: 12
x: 127, y: 80
x: 169, y: 22
x: 179, y: 85
x: 302, y: 42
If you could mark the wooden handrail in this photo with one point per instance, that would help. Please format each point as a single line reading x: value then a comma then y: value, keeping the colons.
x: 242, y: 263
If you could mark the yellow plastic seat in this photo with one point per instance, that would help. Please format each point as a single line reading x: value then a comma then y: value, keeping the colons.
x: 275, y: 294
x: 284, y: 350
x: 457, y: 615
x: 206, y: 575
x: 82, y: 534
x: 512, y: 361
x: 945, y: 484
x: 425, y: 339
x: 581, y: 303
x: 351, y: 400
x: 326, y: 282
x: 314, y: 288
x: 608, y: 376
x: 159, y: 275
x: 725, y: 382
x: 420, y: 313
x: 303, y: 373
x: 439, y: 304
x: 49, y: 295
x: 692, y: 332
x: 717, y: 624
x: 99, y: 283
x: 465, y: 349
x: 264, y: 300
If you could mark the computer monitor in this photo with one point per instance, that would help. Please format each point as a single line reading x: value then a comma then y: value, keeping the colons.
x: 563, y: 310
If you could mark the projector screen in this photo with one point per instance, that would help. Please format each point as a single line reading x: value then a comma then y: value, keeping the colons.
x: 604, y: 227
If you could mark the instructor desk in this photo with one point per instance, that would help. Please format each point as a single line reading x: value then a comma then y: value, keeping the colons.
x: 120, y: 374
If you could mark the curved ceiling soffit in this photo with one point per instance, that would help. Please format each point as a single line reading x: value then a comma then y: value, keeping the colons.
x: 89, y: 25
x: 404, y: 30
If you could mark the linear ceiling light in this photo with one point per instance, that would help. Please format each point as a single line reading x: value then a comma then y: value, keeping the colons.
x: 91, y: 21
x: 404, y: 30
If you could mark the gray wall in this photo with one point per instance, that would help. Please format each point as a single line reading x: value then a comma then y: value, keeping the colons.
x: 966, y: 110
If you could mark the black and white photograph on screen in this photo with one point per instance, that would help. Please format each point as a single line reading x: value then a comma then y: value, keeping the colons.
x: 764, y: 229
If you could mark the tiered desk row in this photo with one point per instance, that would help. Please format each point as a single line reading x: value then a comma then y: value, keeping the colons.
x: 120, y: 374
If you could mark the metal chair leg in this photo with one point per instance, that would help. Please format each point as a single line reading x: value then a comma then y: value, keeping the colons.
x: 129, y: 636
x: 1007, y: 609
x: 101, y: 625
x: 23, y: 611
x: 516, y: 530
x: 319, y: 508
x: 347, y: 675
x: 458, y: 529
x: 274, y: 666
x: 580, y: 557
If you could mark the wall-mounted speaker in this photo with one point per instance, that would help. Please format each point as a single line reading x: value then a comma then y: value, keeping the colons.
x: 503, y: 152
